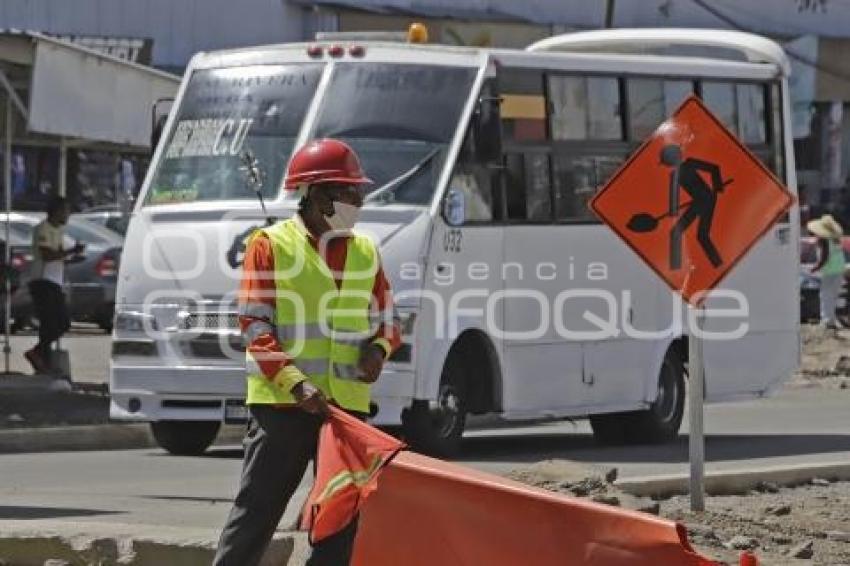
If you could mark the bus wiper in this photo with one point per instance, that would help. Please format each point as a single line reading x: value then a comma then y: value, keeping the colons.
x: 384, y: 192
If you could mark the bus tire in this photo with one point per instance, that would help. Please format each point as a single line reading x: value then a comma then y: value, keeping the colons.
x: 661, y: 421
x: 657, y: 424
x: 185, y: 438
x: 610, y: 429
x: 437, y: 430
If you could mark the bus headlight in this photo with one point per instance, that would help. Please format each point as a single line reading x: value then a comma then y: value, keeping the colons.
x: 134, y: 322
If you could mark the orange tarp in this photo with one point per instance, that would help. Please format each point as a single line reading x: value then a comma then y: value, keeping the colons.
x: 430, y: 512
x: 350, y: 457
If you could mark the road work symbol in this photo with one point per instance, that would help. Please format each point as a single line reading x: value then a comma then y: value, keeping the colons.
x: 686, y: 174
x: 692, y: 200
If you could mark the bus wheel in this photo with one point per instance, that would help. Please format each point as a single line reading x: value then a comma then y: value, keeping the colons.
x: 610, y: 429
x: 437, y: 428
x: 660, y: 423
x: 185, y: 438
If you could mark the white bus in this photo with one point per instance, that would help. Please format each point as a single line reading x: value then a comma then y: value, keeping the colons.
x: 515, y: 299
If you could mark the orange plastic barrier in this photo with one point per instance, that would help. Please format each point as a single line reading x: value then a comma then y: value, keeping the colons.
x: 429, y: 512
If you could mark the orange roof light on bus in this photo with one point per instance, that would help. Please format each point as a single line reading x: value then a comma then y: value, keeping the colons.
x: 417, y: 33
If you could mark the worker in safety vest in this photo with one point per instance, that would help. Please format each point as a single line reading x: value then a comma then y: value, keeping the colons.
x: 317, y: 315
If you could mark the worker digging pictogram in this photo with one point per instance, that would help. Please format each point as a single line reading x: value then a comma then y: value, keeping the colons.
x: 692, y: 200
x: 685, y: 174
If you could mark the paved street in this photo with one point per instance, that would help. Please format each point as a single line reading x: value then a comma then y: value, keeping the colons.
x: 150, y: 487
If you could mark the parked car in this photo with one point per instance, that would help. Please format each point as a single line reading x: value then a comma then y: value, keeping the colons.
x: 114, y: 220
x: 91, y: 277
x: 18, y: 273
x: 810, y: 282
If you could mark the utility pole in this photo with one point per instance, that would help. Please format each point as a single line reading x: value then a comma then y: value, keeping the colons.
x: 609, y: 13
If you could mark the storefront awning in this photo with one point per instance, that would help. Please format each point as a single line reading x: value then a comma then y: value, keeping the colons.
x: 76, y: 92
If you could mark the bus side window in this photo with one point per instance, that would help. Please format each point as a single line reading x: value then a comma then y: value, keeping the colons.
x: 528, y: 185
x: 720, y: 99
x: 475, y: 183
x: 577, y: 177
x: 752, y: 118
x: 777, y: 157
x: 585, y: 108
x: 523, y: 107
x: 650, y: 102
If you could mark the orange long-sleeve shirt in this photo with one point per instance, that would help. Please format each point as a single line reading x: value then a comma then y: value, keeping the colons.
x: 257, y: 302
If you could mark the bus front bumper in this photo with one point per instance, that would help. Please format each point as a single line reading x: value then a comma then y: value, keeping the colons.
x: 215, y: 393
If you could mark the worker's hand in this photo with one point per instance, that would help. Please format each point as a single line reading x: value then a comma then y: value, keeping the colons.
x: 311, y: 399
x: 78, y: 248
x: 371, y: 363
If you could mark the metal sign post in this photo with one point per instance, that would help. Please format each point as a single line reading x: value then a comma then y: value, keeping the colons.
x: 696, y: 395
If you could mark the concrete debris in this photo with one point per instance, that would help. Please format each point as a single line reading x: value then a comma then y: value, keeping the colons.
x: 840, y: 536
x: 803, y: 550
x: 606, y: 499
x: 778, y: 510
x: 767, y: 487
x: 740, y: 542
x: 842, y: 366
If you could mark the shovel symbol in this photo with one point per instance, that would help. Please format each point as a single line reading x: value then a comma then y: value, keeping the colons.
x: 644, y: 222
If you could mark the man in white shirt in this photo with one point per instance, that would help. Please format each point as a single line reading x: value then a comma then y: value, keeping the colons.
x: 45, y: 286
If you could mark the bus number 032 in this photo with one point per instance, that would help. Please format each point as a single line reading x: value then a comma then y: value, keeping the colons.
x: 452, y: 240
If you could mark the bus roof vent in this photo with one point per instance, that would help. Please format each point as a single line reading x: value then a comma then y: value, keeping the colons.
x: 717, y: 44
x: 392, y: 36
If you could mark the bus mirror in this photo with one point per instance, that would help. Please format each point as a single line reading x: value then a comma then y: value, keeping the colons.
x: 488, y: 130
x: 454, y: 208
x: 156, y: 132
x: 159, y: 115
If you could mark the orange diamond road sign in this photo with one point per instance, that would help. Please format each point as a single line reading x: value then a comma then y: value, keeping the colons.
x: 691, y: 201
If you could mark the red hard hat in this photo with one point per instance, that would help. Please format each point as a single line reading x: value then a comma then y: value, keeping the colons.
x: 324, y: 161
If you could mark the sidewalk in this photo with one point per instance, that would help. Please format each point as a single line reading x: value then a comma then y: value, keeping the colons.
x: 42, y: 400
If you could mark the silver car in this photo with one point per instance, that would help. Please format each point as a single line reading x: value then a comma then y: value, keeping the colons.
x: 91, y: 277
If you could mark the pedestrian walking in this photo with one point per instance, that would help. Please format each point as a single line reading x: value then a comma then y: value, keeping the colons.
x: 830, y: 264
x: 45, y: 286
x: 317, y: 315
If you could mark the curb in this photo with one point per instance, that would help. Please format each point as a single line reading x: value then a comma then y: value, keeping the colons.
x: 34, y: 543
x: 734, y: 482
x: 92, y: 437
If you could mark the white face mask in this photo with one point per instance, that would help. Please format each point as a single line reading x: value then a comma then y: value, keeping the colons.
x: 344, y: 217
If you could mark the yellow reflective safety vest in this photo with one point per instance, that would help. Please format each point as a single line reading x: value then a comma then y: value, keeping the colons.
x: 321, y: 327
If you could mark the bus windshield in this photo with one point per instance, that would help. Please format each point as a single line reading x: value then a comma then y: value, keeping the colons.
x: 224, y: 114
x: 400, y: 119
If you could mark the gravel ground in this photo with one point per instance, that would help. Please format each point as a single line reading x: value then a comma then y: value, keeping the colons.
x: 806, y: 524
x: 826, y: 358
